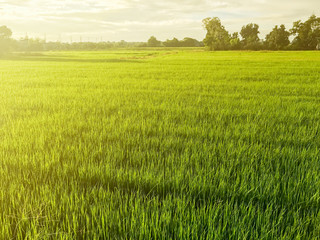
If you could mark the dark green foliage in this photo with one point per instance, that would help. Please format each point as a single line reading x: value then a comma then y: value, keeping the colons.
x: 278, y: 38
x: 307, y: 36
x: 153, y: 42
x: 190, y: 42
x: 186, y: 42
x: 172, y: 43
x: 306, y: 33
x: 250, y: 39
x: 217, y: 37
x: 235, y: 43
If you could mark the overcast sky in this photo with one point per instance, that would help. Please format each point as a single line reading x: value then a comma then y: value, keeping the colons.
x: 137, y: 20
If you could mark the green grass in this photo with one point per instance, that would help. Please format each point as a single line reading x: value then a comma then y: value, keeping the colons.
x: 160, y: 145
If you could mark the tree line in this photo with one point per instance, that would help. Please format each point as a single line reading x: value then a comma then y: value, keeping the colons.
x: 186, y: 42
x: 36, y: 44
x: 306, y: 36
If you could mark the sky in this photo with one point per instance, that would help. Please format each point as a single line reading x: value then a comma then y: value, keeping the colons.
x: 137, y: 20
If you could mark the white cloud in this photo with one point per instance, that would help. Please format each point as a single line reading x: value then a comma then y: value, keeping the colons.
x: 136, y: 20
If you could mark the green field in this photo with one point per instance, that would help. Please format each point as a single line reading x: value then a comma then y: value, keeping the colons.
x: 160, y: 144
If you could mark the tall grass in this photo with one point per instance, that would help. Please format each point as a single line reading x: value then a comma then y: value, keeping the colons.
x: 160, y: 145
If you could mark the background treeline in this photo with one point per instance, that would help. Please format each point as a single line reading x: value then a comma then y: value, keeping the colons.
x: 186, y: 42
x: 305, y: 36
x: 36, y: 44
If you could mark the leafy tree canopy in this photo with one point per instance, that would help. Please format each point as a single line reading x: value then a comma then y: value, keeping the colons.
x: 306, y: 33
x: 249, y: 34
x: 5, y: 32
x: 153, y: 42
x: 278, y: 38
x: 5, y: 41
x: 217, y: 37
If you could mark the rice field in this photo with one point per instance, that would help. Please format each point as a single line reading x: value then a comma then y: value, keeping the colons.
x: 160, y: 144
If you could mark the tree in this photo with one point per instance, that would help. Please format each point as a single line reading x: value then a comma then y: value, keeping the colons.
x: 5, y: 39
x: 190, y: 42
x: 5, y: 32
x: 249, y: 34
x: 217, y: 37
x: 172, y: 43
x: 306, y: 33
x: 235, y: 43
x: 153, y: 42
x: 186, y: 42
x: 278, y: 38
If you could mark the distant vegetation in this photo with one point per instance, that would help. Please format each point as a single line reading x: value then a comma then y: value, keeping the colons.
x: 186, y: 42
x: 5, y: 39
x: 306, y: 36
x: 37, y: 44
